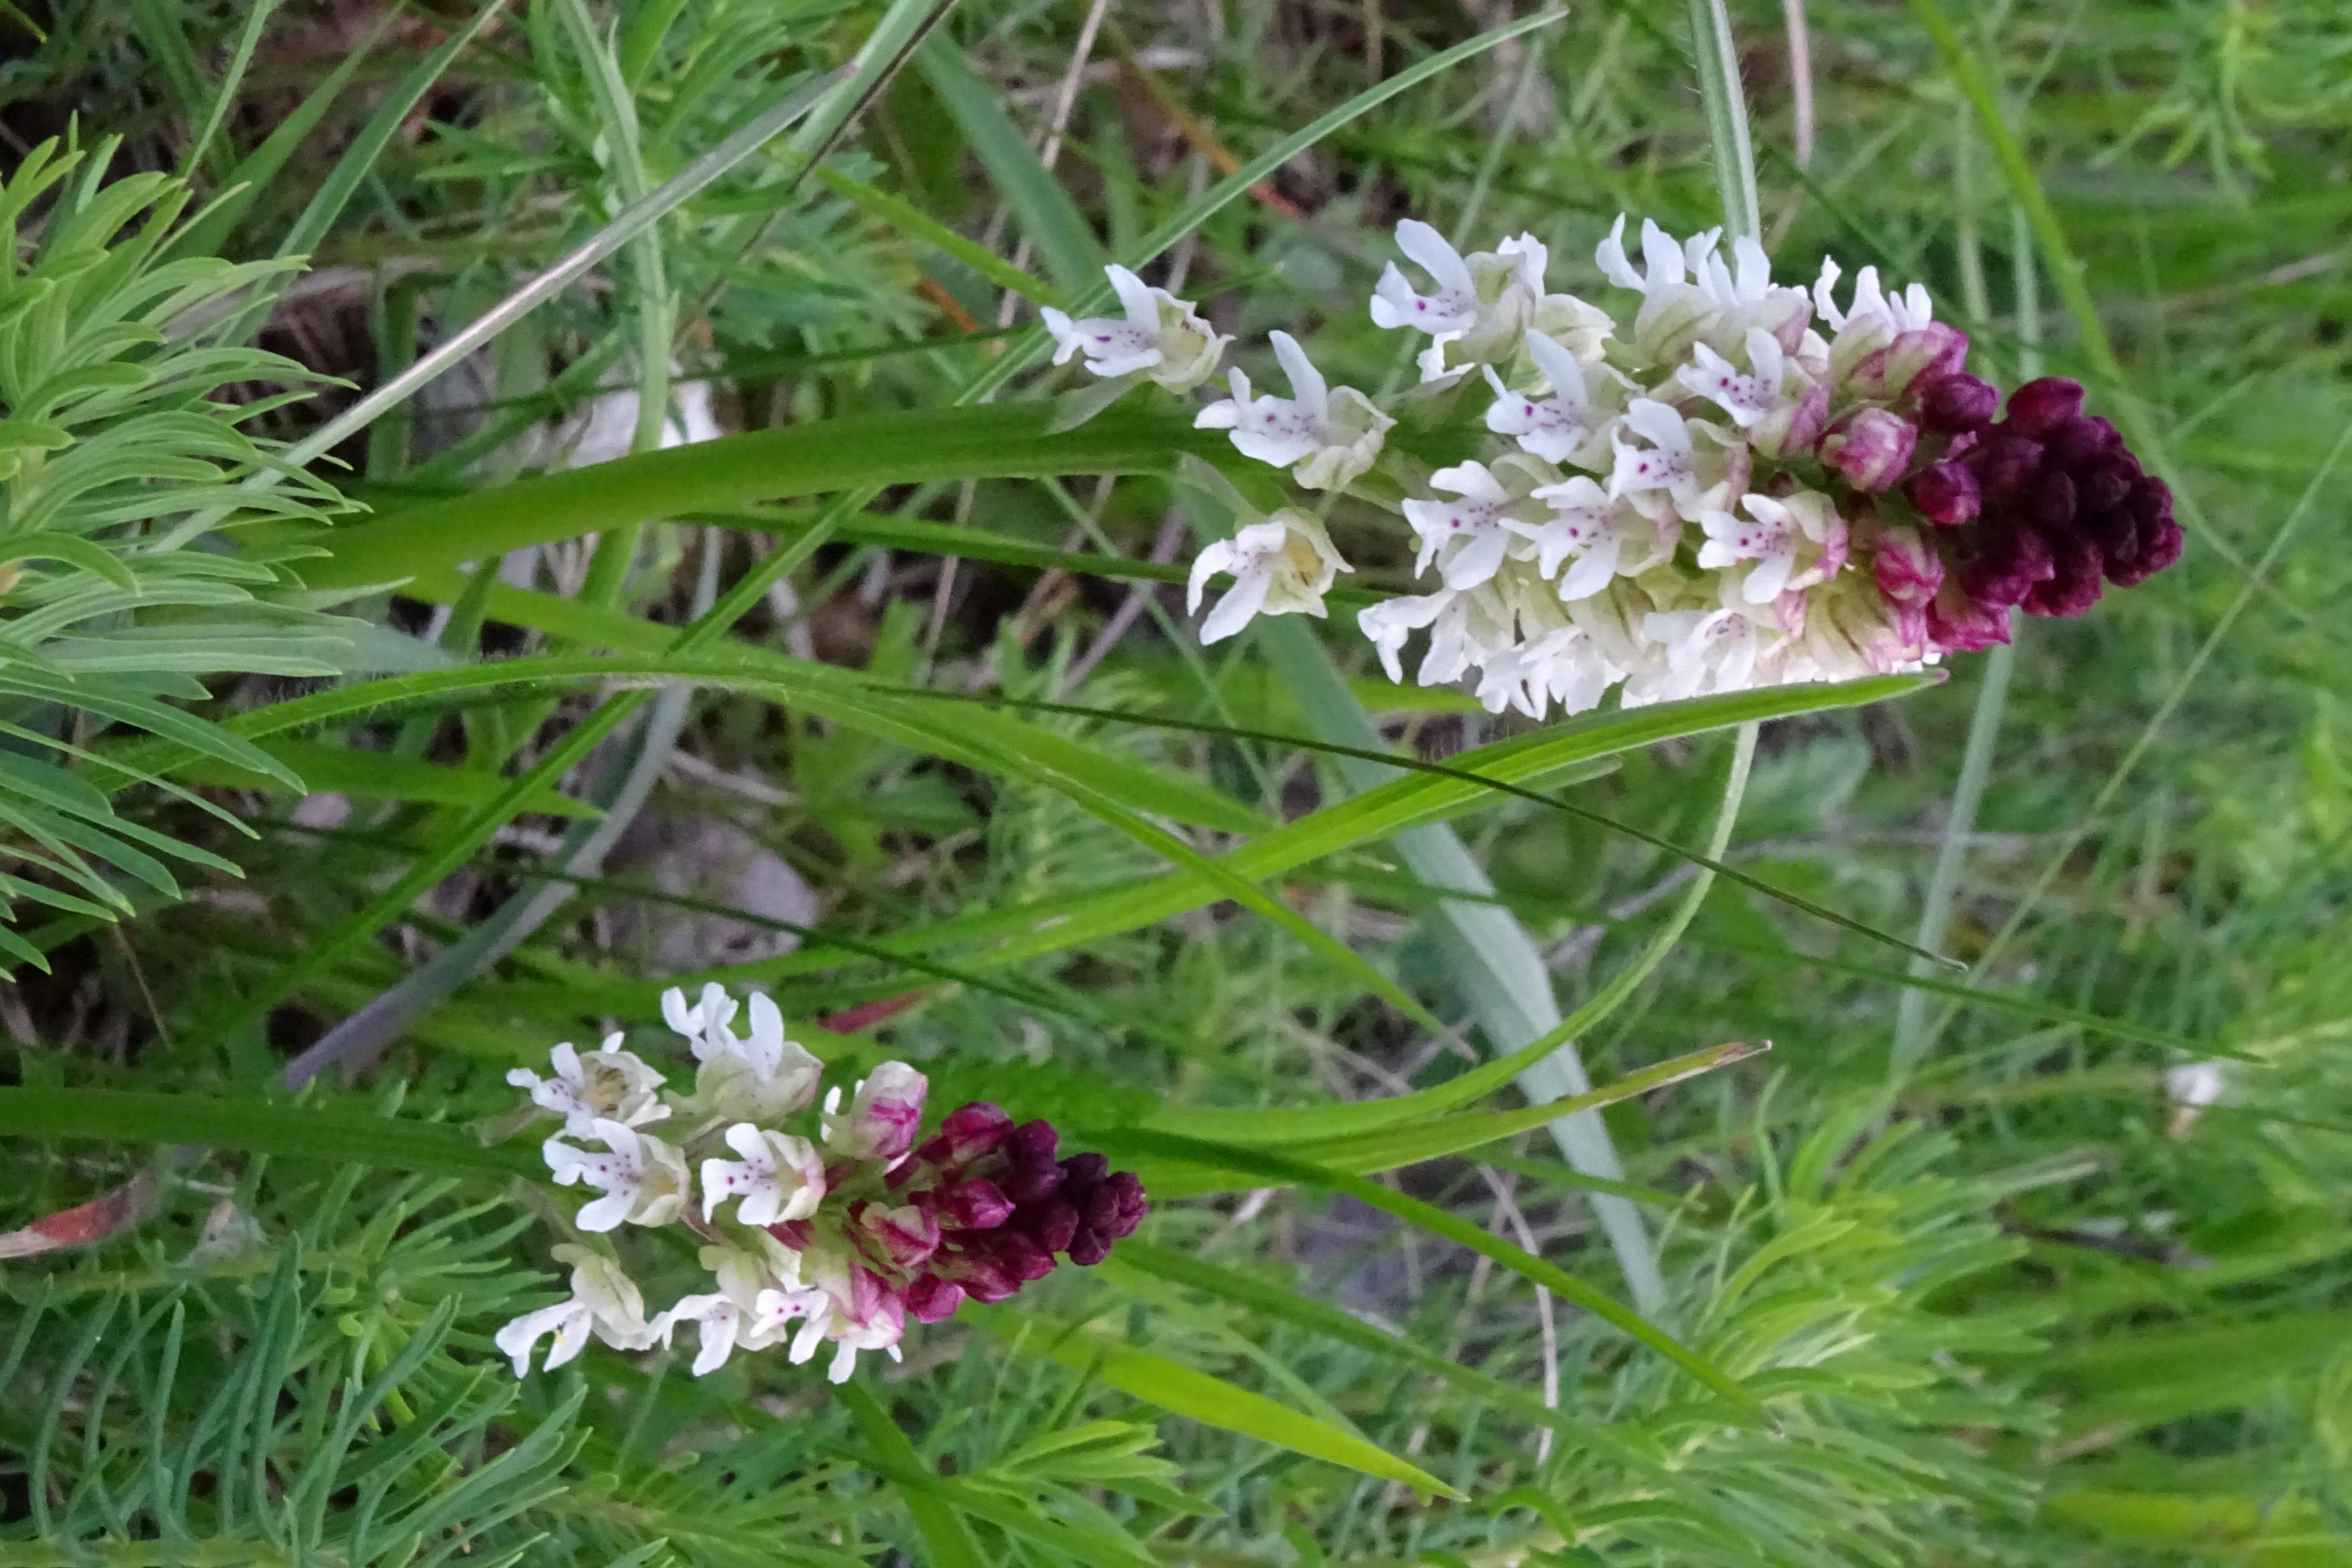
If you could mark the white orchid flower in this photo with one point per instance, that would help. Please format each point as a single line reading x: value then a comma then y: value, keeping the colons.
x: 1605, y: 537
x: 1468, y: 536
x: 604, y: 1304
x: 1160, y: 335
x: 1690, y: 462
x: 1483, y: 303
x: 1326, y: 439
x: 1776, y: 535
x: 1746, y: 397
x: 1281, y: 565
x: 761, y: 1078
x: 644, y: 1180
x: 1567, y: 427
x: 607, y: 1082
x: 779, y: 1178
x: 1390, y: 622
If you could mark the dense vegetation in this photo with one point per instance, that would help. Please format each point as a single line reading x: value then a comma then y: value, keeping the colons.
x: 510, y: 507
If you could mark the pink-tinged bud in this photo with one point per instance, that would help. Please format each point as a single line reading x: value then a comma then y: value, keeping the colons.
x: 1944, y: 492
x: 1871, y: 447
x: 883, y: 1118
x: 974, y: 1204
x: 969, y: 1132
x: 1908, y: 570
x: 2043, y: 406
x: 1955, y: 404
x: 1792, y: 425
x: 907, y: 1236
x: 1050, y: 1223
x: 1958, y: 624
x: 2074, y: 586
x: 1928, y: 353
x: 932, y: 1299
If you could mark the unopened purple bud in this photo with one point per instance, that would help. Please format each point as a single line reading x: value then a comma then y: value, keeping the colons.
x: 1872, y: 448
x: 2074, y: 586
x: 972, y: 1204
x: 972, y: 1130
x: 883, y: 1117
x: 2014, y: 559
x: 1958, y: 404
x: 1908, y: 570
x: 1050, y: 1223
x: 2004, y: 464
x: 932, y: 1299
x: 1080, y: 1173
x: 1944, y: 492
x: 1126, y: 1207
x: 1016, y: 1254
x: 1088, y: 1247
x: 2043, y: 406
x: 2049, y: 504
x: 984, y: 1279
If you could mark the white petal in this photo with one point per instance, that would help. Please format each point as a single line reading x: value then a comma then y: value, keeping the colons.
x: 1213, y: 558
x: 1592, y: 571
x: 1134, y: 297
x: 1308, y: 387
x: 1237, y: 609
x: 1440, y: 260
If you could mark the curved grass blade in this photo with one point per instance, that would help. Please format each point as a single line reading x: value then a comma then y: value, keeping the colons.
x: 1287, y: 1170
x: 331, y: 1135
x: 1183, y: 1391
x: 1887, y: 686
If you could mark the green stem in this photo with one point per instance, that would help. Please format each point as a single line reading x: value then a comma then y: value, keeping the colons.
x: 1726, y: 117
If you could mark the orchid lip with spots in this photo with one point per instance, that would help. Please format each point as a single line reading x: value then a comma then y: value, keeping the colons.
x: 836, y: 1228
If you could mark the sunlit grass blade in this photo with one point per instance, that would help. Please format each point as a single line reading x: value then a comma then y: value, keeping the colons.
x: 1183, y: 1391
x: 1289, y: 1171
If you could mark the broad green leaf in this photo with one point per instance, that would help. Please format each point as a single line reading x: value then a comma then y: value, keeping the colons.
x: 1183, y: 1391
x: 991, y: 441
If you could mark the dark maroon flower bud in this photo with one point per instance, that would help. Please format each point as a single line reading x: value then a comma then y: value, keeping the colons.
x: 2157, y: 547
x: 1088, y: 1247
x: 972, y: 1204
x: 1030, y: 1172
x: 2013, y: 561
x: 2049, y: 504
x: 1050, y: 1223
x: 932, y: 1299
x: 1944, y: 492
x: 2113, y: 530
x: 975, y: 1130
x: 2004, y: 465
x: 1956, y: 403
x: 2104, y: 486
x: 1124, y: 1210
x: 1016, y: 1254
x: 2078, y: 443
x: 982, y: 1277
x: 2150, y: 498
x: 1082, y: 1172
x: 2044, y: 405
x: 2073, y: 586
